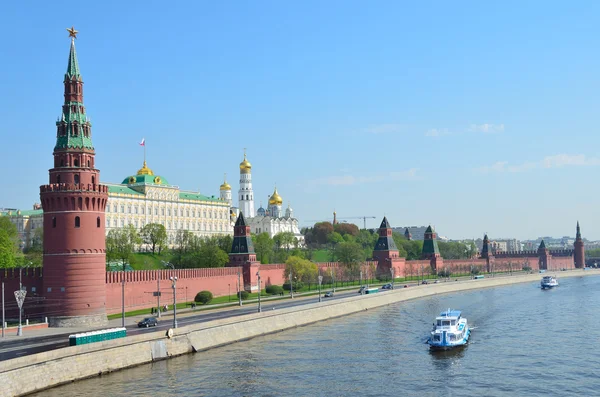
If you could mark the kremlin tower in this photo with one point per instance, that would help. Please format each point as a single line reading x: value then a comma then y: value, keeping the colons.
x: 74, y: 203
x: 246, y: 193
x: 579, y: 254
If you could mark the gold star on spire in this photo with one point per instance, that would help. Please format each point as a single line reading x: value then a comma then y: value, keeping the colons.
x: 72, y: 32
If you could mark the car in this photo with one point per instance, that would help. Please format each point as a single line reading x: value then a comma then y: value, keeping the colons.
x: 362, y: 289
x: 386, y: 286
x: 328, y: 294
x: 148, y: 322
x: 424, y: 282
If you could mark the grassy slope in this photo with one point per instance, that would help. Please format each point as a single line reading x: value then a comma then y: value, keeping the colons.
x: 148, y: 261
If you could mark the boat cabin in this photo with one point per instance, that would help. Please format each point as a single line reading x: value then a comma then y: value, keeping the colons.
x: 448, y: 318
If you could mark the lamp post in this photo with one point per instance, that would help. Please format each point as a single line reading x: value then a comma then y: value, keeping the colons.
x: 240, y: 288
x: 320, y: 280
x: 174, y: 280
x: 332, y: 280
x: 361, y: 288
x: 392, y: 270
x: 258, y: 281
x: 3, y: 309
x: 229, y: 293
x: 291, y: 284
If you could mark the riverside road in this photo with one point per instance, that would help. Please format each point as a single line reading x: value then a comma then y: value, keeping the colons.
x: 14, y: 348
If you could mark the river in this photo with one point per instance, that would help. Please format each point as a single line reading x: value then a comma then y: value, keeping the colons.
x: 527, y: 342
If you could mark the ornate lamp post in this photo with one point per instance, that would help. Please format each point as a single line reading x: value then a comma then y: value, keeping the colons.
x: 320, y: 280
x: 240, y: 288
x: 291, y: 284
x: 258, y: 280
x: 174, y: 280
x: 392, y: 271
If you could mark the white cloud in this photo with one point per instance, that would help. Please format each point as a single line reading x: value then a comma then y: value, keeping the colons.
x: 347, y: 180
x: 384, y: 128
x: 555, y: 161
x: 486, y: 128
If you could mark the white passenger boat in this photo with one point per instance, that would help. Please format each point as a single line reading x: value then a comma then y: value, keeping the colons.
x: 549, y: 282
x: 449, y: 330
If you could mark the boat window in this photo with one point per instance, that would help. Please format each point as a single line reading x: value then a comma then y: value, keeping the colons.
x: 439, y: 323
x: 436, y: 337
x: 446, y: 323
x: 453, y: 322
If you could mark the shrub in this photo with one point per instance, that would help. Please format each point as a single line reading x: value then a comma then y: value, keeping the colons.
x: 203, y: 297
x: 444, y: 273
x: 243, y: 294
x: 475, y: 270
x: 274, y: 289
x: 384, y: 277
x: 297, y: 286
x: 527, y: 268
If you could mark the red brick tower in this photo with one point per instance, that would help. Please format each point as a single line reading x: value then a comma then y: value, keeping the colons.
x: 579, y: 254
x: 74, y: 204
x: 386, y: 253
x: 543, y: 256
x: 242, y: 253
x: 431, y: 250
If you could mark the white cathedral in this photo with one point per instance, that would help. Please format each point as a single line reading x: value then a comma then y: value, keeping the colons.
x: 273, y: 220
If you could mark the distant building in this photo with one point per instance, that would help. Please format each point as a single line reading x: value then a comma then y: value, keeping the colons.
x: 26, y: 222
x: 415, y: 232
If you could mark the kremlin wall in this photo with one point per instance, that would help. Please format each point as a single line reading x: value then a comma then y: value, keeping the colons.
x: 74, y: 289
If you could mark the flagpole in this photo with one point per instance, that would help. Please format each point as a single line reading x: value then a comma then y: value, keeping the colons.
x: 144, y: 152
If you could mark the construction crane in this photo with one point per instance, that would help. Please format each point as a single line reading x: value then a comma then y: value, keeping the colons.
x: 364, y: 218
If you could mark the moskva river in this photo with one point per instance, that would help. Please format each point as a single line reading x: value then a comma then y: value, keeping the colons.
x: 527, y: 342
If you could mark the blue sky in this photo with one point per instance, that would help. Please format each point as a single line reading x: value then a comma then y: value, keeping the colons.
x: 473, y: 116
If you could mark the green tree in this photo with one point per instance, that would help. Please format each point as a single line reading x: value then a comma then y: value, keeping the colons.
x: 34, y: 253
x: 121, y: 244
x: 350, y: 256
x: 225, y: 242
x: 263, y: 246
x: 347, y: 228
x: 184, y: 243
x: 155, y: 235
x: 7, y: 250
x: 212, y: 256
x: 321, y: 232
x: 302, y: 269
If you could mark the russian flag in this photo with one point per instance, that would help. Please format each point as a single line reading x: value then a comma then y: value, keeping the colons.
x: 143, y: 142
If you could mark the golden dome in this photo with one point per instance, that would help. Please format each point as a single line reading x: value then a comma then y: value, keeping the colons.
x: 225, y: 185
x: 145, y: 170
x: 245, y: 166
x: 275, y: 199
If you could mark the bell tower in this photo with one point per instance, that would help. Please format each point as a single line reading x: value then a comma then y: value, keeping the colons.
x: 74, y: 202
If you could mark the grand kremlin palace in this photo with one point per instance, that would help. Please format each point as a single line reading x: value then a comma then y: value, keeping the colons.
x: 146, y: 198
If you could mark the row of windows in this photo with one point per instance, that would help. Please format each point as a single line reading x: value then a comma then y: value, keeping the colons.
x: 77, y: 222
x: 180, y: 225
x: 248, y: 197
x: 134, y: 210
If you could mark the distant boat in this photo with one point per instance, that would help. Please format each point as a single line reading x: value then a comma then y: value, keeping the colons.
x: 449, y: 330
x: 549, y: 282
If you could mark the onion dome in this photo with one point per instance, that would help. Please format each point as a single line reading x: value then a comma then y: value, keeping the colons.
x: 245, y: 166
x: 275, y: 199
x: 145, y: 170
x: 225, y: 185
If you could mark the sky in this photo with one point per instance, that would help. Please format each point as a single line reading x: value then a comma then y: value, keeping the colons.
x: 475, y: 117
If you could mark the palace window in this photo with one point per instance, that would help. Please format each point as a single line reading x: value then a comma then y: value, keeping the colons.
x: 115, y: 208
x: 169, y: 212
x: 76, y: 179
x: 169, y: 225
x: 129, y: 209
x: 205, y: 214
x: 122, y: 208
x: 181, y: 212
x: 114, y: 223
x: 142, y: 210
x: 77, y: 222
x: 122, y: 222
x: 135, y: 209
x: 136, y: 223
x: 155, y: 210
x: 107, y: 222
x: 187, y: 213
x: 162, y: 211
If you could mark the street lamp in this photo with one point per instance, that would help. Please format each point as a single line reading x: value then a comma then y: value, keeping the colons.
x: 332, y: 280
x: 320, y: 280
x: 392, y: 270
x: 229, y: 293
x: 361, y: 288
x: 258, y: 280
x: 291, y: 284
x: 240, y: 288
x: 174, y: 280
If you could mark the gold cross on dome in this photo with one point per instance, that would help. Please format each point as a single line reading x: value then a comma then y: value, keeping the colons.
x: 72, y: 32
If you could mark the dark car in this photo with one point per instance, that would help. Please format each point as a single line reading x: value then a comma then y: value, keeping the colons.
x: 328, y: 294
x: 386, y: 286
x: 424, y: 282
x: 148, y: 322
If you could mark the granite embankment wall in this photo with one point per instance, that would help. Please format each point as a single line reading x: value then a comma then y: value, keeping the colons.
x: 40, y: 371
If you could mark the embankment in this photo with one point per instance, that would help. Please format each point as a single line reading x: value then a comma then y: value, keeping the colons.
x: 40, y: 371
